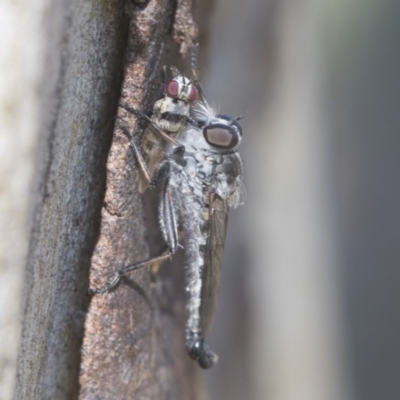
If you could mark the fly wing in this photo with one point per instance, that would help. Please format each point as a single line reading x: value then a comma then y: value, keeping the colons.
x: 213, y: 260
x: 153, y: 151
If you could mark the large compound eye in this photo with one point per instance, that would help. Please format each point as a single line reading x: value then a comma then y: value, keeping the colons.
x: 173, y: 88
x: 221, y: 136
x: 192, y: 94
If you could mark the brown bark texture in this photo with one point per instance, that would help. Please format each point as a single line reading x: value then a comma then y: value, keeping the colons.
x: 79, y: 93
x: 134, y: 346
x: 128, y: 343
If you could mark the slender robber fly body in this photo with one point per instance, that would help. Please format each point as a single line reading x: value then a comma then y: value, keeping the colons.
x: 205, y: 183
x: 200, y: 174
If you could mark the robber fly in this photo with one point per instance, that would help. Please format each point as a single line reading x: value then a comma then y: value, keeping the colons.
x: 199, y: 185
x: 205, y: 186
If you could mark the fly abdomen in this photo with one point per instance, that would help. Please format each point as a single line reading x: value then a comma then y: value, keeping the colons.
x: 197, y: 349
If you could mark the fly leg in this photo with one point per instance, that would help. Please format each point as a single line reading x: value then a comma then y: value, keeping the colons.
x: 160, y: 172
x: 195, y: 72
x: 169, y: 230
x: 123, y: 271
x: 135, y: 149
x: 130, y: 109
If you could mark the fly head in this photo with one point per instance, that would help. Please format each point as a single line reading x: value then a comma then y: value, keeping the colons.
x: 223, y: 132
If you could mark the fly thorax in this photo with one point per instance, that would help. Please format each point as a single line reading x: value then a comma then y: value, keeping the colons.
x: 171, y: 114
x: 191, y: 167
x: 170, y: 126
x: 205, y: 166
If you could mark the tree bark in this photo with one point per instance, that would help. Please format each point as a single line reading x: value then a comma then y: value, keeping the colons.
x: 79, y: 92
x: 133, y: 338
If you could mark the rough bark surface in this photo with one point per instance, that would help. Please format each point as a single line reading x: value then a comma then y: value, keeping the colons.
x: 133, y: 345
x: 134, y: 336
x: 184, y: 30
x: 80, y: 89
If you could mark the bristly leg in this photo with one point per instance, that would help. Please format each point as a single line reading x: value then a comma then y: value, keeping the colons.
x: 113, y: 281
x: 138, y: 155
x: 152, y: 125
x: 195, y: 72
x: 170, y: 232
x: 162, y: 170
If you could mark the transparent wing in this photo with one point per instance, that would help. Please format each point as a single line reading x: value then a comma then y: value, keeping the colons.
x: 213, y: 260
x: 152, y: 148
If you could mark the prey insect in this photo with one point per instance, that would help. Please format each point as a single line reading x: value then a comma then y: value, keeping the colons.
x: 168, y: 122
x: 199, y: 184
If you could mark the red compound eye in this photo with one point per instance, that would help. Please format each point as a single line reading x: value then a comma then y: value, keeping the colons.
x: 193, y: 94
x: 173, y: 88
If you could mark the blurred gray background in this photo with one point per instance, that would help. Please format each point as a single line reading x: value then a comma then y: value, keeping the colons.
x: 310, y: 297
x: 310, y: 303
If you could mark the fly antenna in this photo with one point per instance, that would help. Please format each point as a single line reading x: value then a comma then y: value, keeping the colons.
x: 240, y: 117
